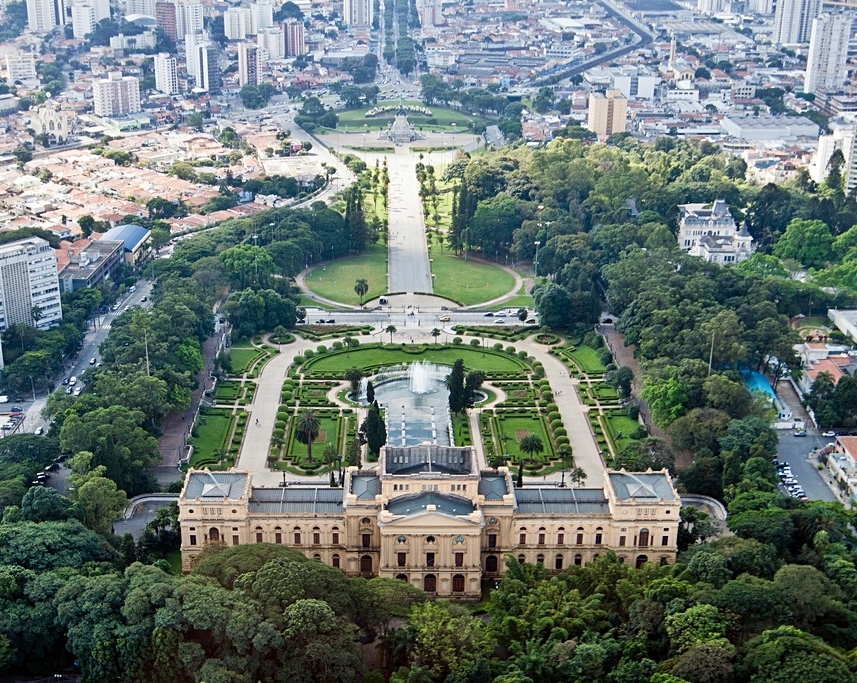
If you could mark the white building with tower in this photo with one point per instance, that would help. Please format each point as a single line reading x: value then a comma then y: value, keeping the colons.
x: 166, y: 74
x: 709, y: 231
x: 29, y: 284
x: 828, y: 53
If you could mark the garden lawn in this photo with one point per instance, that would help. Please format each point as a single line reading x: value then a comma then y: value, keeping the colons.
x: 446, y: 354
x: 242, y: 359
x: 213, y: 429
x: 461, y: 430
x: 328, y: 426
x: 513, y: 426
x: 621, y: 427
x: 469, y: 282
x: 588, y: 359
x: 354, y: 120
x: 335, y: 280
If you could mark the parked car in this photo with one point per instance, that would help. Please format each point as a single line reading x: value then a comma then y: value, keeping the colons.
x: 331, y: 321
x: 828, y: 434
x: 93, y: 361
x: 72, y: 381
x: 444, y: 318
x: 17, y: 409
x: 800, y: 432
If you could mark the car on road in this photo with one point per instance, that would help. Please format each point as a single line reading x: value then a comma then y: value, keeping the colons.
x: 93, y: 361
x: 39, y: 431
x: 17, y: 409
x: 145, y: 298
x: 800, y: 432
x: 500, y: 321
x: 77, y: 391
x: 489, y: 314
x: 330, y: 321
x: 65, y: 381
x: 72, y: 381
x: 828, y: 434
x: 320, y: 321
x: 444, y: 318
x: 531, y: 321
x: 68, y: 390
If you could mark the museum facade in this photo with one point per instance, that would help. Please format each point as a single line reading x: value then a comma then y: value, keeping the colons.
x: 427, y: 515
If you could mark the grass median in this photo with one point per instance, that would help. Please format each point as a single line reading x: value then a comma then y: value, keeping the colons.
x: 335, y: 280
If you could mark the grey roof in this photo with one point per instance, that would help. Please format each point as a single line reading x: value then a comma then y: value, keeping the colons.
x: 642, y: 485
x: 213, y: 486
x: 129, y: 233
x: 493, y: 487
x: 365, y: 486
x: 556, y: 501
x: 297, y: 501
x: 416, y: 503
x: 427, y: 458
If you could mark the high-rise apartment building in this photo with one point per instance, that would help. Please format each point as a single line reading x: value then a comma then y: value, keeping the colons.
x: 192, y: 41
x: 166, y: 74
x: 249, y: 64
x: 272, y: 43
x: 28, y: 283
x: 116, y: 95
x: 20, y: 67
x: 358, y: 12
x: 165, y: 17
x: 793, y: 21
x: 82, y: 19
x: 261, y: 16
x: 43, y: 16
x: 237, y: 23
x: 209, y: 69
x: 607, y: 113
x: 189, y: 18
x: 146, y: 7
x: 828, y: 52
x: 295, y: 40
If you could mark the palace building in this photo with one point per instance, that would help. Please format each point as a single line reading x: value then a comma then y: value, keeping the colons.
x: 428, y: 516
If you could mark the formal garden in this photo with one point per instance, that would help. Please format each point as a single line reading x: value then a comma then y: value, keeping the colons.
x: 423, y: 118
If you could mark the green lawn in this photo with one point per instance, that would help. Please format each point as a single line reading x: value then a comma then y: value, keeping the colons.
x: 329, y: 425
x: 588, y: 359
x: 242, y: 359
x: 621, y: 428
x: 306, y: 302
x: 174, y: 557
x: 213, y: 428
x: 467, y: 281
x: 516, y: 427
x: 519, y: 301
x: 372, y: 356
x: 335, y: 281
x: 354, y: 121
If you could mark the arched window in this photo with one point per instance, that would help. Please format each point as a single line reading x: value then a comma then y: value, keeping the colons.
x: 366, y: 521
x: 258, y: 534
x: 402, y: 577
x: 641, y: 560
x: 557, y: 563
x: 334, y: 535
x: 317, y: 557
x: 579, y: 536
x: 335, y: 561
x: 430, y: 583
x: 491, y: 564
x: 430, y: 539
x: 316, y: 536
x: 540, y: 559
x: 664, y: 561
x: 578, y: 560
x: 297, y: 531
x: 598, y: 536
x: 278, y: 535
x: 522, y: 559
x: 541, y: 536
x: 644, y: 537
x: 522, y: 536
x: 458, y: 583
x: 622, y: 560
x: 560, y: 536
x: 213, y: 535
x: 366, y: 564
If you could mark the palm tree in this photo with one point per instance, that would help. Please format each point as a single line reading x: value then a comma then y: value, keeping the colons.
x: 435, y: 333
x: 360, y: 289
x: 307, y: 429
x: 577, y: 476
x: 564, y: 453
x: 391, y: 329
x: 532, y: 445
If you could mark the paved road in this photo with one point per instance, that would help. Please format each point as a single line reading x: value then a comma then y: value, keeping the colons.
x: 795, y: 451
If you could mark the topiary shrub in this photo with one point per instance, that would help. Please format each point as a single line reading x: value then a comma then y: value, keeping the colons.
x: 560, y: 431
x: 278, y: 434
x: 562, y: 441
x: 554, y: 415
x: 336, y: 345
x: 475, y: 342
x: 457, y: 340
x: 309, y: 353
x: 556, y: 424
x: 321, y: 349
x: 497, y: 346
x: 511, y: 350
x: 280, y: 424
x: 546, y: 396
x: 551, y: 407
x: 522, y: 354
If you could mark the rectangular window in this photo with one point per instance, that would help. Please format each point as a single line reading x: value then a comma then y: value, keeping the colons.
x: 402, y: 559
x: 459, y: 559
x: 560, y: 539
x: 297, y: 538
x: 429, y: 559
x: 541, y: 539
x: 278, y: 537
x: 579, y: 539
x: 335, y: 538
x: 235, y: 540
x: 336, y: 561
x: 492, y: 540
x: 367, y: 540
x: 193, y: 539
x: 597, y: 539
x: 665, y: 540
x: 621, y: 540
x: 522, y: 539
x: 258, y: 537
x: 316, y: 538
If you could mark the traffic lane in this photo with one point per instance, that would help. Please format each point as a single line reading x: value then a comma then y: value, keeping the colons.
x: 795, y: 451
x: 385, y: 317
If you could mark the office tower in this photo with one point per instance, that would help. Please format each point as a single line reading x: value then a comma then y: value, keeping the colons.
x: 166, y: 74
x: 249, y: 66
x: 28, y: 279
x: 431, y: 13
x: 43, y: 16
x: 20, y: 67
x: 261, y: 16
x: 761, y: 6
x: 793, y: 21
x: 709, y: 6
x: 165, y: 16
x: 828, y: 52
x: 237, y: 23
x: 272, y: 43
x: 82, y: 20
x: 146, y: 7
x: 358, y: 12
x: 192, y: 41
x: 607, y: 112
x: 116, y: 95
x: 189, y: 18
x: 295, y: 42
x: 209, y: 70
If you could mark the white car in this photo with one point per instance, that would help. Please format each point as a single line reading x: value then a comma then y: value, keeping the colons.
x: 828, y: 434
x: 72, y: 381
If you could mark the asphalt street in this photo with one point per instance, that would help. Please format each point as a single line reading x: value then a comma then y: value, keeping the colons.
x: 796, y: 451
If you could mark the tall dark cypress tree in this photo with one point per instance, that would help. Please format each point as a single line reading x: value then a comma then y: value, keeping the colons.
x: 376, y: 432
x: 455, y: 384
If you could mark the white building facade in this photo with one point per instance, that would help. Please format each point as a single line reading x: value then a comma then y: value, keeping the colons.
x: 28, y: 284
x: 709, y: 231
x: 828, y: 52
x: 793, y: 21
x: 166, y: 74
x: 116, y: 95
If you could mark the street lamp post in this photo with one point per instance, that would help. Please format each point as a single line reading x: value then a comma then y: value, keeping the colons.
x: 255, y: 261
x: 538, y: 243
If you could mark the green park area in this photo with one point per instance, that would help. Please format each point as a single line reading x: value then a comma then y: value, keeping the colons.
x: 210, y: 438
x: 335, y: 280
x: 467, y: 281
x: 516, y: 426
x: 441, y: 119
x: 373, y: 356
x: 296, y: 452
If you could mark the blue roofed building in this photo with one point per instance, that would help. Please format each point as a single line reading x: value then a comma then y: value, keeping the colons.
x: 136, y: 240
x: 427, y: 514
